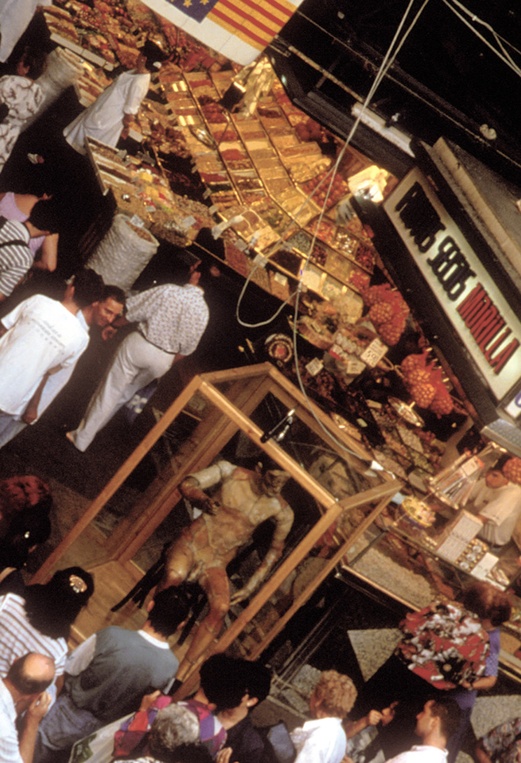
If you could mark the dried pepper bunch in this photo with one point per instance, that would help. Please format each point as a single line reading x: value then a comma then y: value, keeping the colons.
x: 388, y: 311
x: 425, y: 383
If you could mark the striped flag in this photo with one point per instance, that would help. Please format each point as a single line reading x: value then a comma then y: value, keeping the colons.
x: 238, y: 29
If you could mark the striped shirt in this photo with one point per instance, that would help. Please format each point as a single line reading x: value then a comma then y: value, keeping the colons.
x: 15, y: 258
x: 18, y: 636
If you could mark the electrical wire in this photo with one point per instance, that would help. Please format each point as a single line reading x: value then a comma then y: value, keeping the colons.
x: 505, y: 57
x: 386, y: 63
x: 388, y: 60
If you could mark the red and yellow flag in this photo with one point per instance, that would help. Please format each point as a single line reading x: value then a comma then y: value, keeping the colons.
x: 239, y: 29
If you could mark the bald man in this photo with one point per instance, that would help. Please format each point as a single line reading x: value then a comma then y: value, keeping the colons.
x: 22, y: 692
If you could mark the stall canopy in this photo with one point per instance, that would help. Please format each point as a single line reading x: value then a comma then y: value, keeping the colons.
x: 238, y: 29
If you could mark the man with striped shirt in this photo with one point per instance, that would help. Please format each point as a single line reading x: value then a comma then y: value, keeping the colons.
x: 16, y: 257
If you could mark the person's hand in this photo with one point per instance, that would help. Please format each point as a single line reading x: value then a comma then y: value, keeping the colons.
x: 224, y: 755
x: 373, y: 717
x: 148, y: 700
x: 210, y: 506
x: 39, y: 706
x: 109, y: 332
x: 30, y: 414
x: 241, y: 595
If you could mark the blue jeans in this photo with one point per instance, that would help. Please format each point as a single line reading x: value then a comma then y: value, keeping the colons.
x: 63, y: 725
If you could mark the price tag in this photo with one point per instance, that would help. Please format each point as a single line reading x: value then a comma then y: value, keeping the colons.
x: 314, y: 367
x: 470, y: 466
x: 354, y: 367
x: 280, y: 278
x: 374, y: 353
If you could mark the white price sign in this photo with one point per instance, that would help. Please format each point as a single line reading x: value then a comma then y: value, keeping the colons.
x: 374, y: 352
x: 314, y: 367
x: 354, y: 367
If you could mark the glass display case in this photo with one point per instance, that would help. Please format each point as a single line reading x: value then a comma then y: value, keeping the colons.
x: 243, y: 416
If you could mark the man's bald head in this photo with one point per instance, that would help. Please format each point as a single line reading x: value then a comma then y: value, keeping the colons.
x: 31, y: 674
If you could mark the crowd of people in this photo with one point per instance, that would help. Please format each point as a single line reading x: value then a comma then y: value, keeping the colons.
x: 110, y: 699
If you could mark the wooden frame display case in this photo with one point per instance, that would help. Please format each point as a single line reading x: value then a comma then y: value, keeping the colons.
x: 334, y: 493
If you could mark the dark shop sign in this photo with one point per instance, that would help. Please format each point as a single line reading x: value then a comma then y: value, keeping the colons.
x: 458, y: 279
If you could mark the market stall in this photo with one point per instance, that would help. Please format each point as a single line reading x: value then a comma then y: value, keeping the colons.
x: 291, y: 206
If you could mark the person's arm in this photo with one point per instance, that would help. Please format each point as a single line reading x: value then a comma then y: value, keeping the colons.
x: 480, y: 753
x: 34, y: 714
x: 48, y: 255
x: 135, y: 729
x: 481, y: 684
x: 31, y: 412
x: 372, y: 718
x: 284, y: 522
x: 194, y: 485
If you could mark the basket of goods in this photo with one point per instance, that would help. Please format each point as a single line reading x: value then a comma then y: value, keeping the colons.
x: 444, y: 644
x: 425, y: 383
x: 418, y: 512
x: 123, y: 253
x: 388, y: 311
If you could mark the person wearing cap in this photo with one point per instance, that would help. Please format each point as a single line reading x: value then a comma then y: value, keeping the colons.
x: 497, y: 502
x: 114, y: 110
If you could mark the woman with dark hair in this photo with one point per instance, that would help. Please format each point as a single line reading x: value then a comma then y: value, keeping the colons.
x: 20, y: 98
x: 40, y: 618
x: 28, y: 530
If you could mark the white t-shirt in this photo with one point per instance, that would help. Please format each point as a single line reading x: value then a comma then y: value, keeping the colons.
x: 320, y: 741
x: 421, y: 753
x: 501, y: 506
x: 41, y: 334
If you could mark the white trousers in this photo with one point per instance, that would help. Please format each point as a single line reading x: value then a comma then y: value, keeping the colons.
x: 135, y: 364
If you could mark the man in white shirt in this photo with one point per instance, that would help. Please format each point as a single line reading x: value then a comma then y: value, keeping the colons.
x: 323, y: 739
x: 22, y: 693
x: 497, y: 502
x: 436, y: 723
x: 38, y: 338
